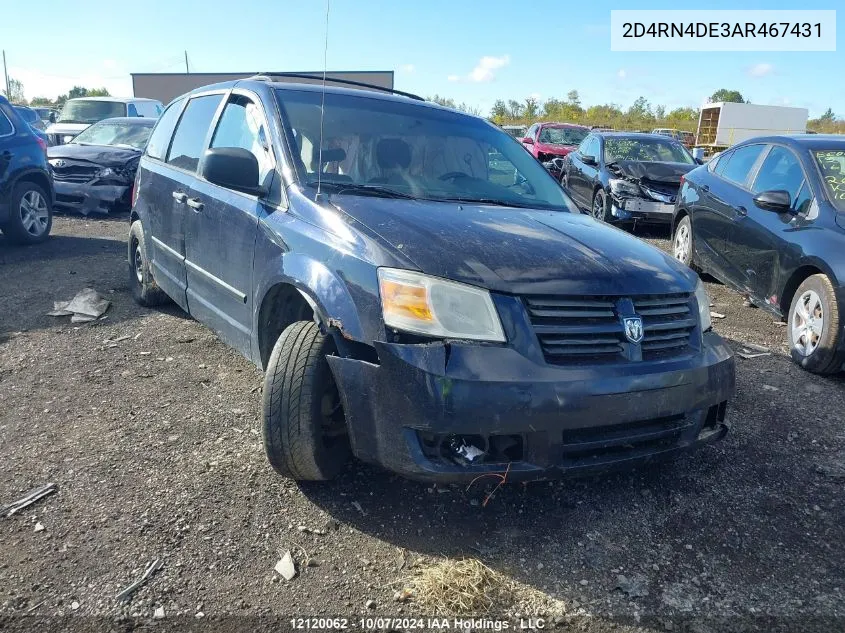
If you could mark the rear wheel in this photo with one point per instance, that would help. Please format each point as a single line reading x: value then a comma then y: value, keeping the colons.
x: 145, y: 291
x: 601, y: 208
x: 30, y: 214
x: 814, y: 326
x: 304, y: 426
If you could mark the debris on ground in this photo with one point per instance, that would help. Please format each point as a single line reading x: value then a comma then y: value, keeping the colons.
x: 27, y: 500
x: 747, y: 354
x: 74, y: 605
x: 39, y: 527
x: 717, y: 315
x: 358, y: 507
x: 770, y: 388
x: 464, y: 453
x: 112, y: 341
x: 307, y: 530
x: 403, y: 595
x: 87, y: 305
x: 158, y: 614
x: 636, y: 586
x: 371, y: 604
x: 285, y: 567
x: 148, y: 572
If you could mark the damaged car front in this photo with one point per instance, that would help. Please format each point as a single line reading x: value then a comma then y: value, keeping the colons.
x: 644, y: 175
x: 95, y: 172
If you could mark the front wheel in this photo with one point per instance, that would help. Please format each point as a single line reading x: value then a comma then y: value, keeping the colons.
x: 304, y: 426
x: 814, y: 326
x: 601, y: 208
x: 682, y: 243
x: 30, y: 214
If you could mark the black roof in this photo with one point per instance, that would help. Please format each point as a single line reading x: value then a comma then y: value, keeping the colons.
x: 803, y: 141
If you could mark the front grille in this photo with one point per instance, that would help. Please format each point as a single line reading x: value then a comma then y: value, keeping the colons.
x: 664, y: 188
x: 581, y: 330
x: 74, y: 173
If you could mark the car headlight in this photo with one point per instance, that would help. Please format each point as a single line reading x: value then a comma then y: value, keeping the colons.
x: 67, y: 139
x: 418, y: 303
x: 703, y: 300
x: 619, y: 186
x: 106, y: 172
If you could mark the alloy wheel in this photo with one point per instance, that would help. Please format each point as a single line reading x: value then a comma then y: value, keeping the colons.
x: 35, y: 216
x: 682, y: 243
x: 807, y: 323
x: 598, y: 207
x: 139, y: 264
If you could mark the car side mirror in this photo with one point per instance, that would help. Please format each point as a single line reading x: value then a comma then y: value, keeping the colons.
x: 775, y: 200
x: 232, y: 167
x: 528, y: 140
x: 699, y: 161
x: 588, y: 160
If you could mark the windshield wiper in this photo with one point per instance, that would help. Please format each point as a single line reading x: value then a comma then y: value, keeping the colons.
x: 494, y: 201
x: 373, y: 190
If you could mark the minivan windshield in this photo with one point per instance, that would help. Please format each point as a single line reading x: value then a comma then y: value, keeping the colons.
x: 832, y: 165
x: 374, y: 146
x: 655, y: 150
x: 120, y: 132
x: 90, y: 111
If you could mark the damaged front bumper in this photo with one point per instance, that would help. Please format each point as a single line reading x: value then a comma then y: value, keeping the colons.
x: 92, y: 197
x: 632, y: 208
x: 420, y: 410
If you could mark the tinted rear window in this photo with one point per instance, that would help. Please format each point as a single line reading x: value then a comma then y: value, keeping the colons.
x: 740, y: 163
x: 160, y: 138
x: 189, y: 139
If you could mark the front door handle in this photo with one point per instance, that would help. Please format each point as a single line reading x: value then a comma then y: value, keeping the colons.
x: 180, y: 197
x: 195, y: 204
x: 705, y: 187
x: 742, y: 211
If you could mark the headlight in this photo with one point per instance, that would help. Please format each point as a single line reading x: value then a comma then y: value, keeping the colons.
x: 703, y: 300
x: 619, y: 186
x: 106, y: 172
x: 68, y: 139
x: 413, y: 302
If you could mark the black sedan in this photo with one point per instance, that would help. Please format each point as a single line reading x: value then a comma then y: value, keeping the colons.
x: 627, y: 177
x: 95, y: 172
x: 767, y: 217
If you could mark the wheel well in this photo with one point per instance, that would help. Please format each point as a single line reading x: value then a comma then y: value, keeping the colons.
x: 39, y: 179
x: 282, y: 305
x: 133, y: 215
x: 792, y: 285
x: 682, y: 213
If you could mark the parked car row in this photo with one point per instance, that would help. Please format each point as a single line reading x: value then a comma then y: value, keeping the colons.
x: 78, y: 114
x: 419, y: 291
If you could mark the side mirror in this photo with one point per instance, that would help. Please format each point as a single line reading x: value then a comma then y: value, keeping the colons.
x: 232, y: 167
x: 699, y: 161
x: 528, y: 140
x: 589, y: 160
x: 776, y: 200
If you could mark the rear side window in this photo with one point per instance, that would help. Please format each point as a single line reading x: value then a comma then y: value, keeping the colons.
x: 5, y: 125
x: 740, y: 163
x: 130, y: 110
x: 160, y: 138
x: 779, y: 171
x: 189, y: 138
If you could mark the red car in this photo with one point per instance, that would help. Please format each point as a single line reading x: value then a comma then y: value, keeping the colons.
x: 546, y: 141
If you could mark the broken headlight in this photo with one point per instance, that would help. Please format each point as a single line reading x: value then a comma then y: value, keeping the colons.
x: 106, y: 172
x: 418, y: 303
x: 621, y: 187
x: 703, y: 300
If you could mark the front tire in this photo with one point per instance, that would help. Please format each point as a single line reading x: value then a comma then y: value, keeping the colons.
x: 682, y: 242
x: 813, y: 328
x: 600, y: 209
x: 145, y: 291
x: 304, y: 426
x: 30, y: 214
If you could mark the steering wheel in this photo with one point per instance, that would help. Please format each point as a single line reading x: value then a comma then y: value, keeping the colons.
x: 454, y: 175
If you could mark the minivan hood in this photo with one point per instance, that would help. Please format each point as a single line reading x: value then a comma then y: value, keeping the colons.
x: 648, y: 170
x: 519, y: 251
x: 67, y: 128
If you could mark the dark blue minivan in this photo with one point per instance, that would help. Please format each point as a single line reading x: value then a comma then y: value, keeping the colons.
x: 419, y: 291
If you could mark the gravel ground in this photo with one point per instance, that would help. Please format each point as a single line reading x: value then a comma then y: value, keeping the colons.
x: 154, y: 445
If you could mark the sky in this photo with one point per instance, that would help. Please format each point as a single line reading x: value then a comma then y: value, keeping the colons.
x: 472, y: 51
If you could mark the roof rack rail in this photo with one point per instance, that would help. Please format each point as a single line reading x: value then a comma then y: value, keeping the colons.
x: 349, y: 82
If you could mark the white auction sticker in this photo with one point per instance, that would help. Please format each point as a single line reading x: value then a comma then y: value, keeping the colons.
x: 723, y: 30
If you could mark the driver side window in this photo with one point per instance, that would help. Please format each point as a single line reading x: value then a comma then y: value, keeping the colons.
x: 242, y: 125
x: 584, y: 147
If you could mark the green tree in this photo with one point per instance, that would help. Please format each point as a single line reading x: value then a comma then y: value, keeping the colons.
x: 76, y: 92
x: 41, y: 101
x: 683, y: 114
x: 827, y: 117
x: 98, y: 92
x: 499, y: 112
x: 574, y: 98
x: 532, y: 108
x: 660, y: 112
x: 731, y: 96
x: 15, y: 93
x: 515, y: 109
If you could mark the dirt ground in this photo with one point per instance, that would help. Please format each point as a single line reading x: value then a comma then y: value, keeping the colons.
x: 154, y: 445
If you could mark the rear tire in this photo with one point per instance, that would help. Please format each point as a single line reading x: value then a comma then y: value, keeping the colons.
x: 303, y: 424
x: 813, y: 326
x: 145, y: 291
x: 600, y: 209
x: 30, y: 214
x: 682, y: 243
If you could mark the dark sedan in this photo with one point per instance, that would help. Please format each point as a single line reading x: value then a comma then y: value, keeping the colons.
x: 767, y: 217
x: 625, y: 176
x: 95, y: 172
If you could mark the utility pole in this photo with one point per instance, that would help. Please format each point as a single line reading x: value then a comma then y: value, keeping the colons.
x: 187, y: 70
x: 6, y: 72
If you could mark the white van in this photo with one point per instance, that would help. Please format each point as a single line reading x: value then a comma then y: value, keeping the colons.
x: 78, y: 114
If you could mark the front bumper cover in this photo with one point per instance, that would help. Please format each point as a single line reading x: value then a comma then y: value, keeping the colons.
x: 568, y: 419
x: 91, y: 197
